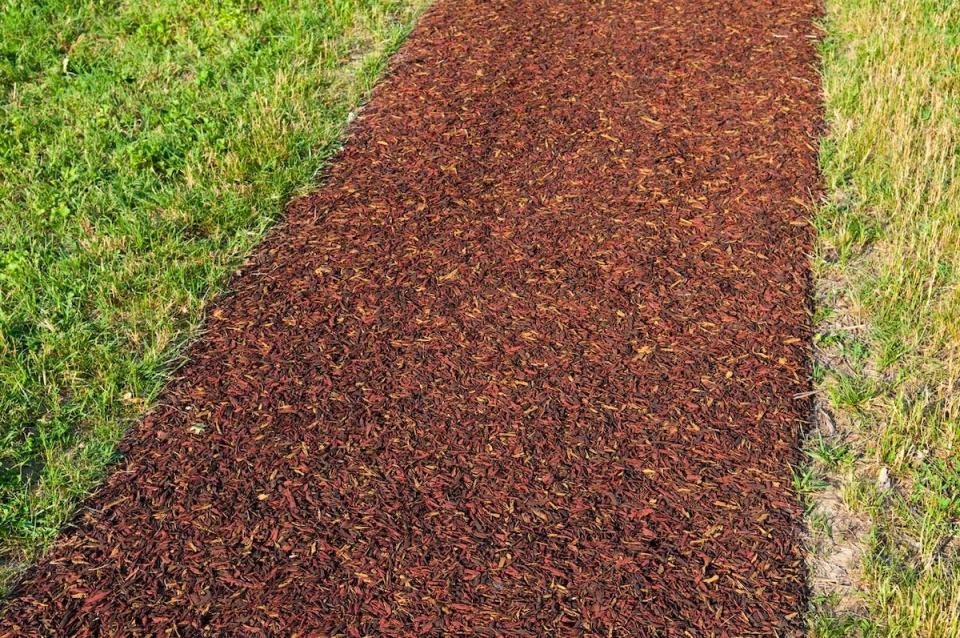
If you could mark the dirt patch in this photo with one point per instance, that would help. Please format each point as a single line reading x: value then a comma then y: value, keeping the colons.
x: 525, y: 364
x: 836, y: 536
x: 837, y: 552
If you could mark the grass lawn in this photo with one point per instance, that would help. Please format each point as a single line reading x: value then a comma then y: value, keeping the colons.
x: 144, y: 149
x: 888, y: 275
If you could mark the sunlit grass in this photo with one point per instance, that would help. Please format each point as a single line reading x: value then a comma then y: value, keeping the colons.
x: 888, y: 266
x: 144, y: 149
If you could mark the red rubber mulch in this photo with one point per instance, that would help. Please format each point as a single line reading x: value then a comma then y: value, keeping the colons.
x: 525, y: 365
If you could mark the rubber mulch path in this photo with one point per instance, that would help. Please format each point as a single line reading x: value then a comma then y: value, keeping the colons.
x: 525, y: 365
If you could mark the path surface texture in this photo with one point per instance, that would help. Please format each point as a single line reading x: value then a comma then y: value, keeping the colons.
x: 526, y: 364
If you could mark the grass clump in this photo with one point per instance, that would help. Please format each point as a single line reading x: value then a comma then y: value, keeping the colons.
x: 888, y: 272
x: 144, y: 149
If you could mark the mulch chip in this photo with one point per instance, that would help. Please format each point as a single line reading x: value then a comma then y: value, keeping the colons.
x: 526, y: 364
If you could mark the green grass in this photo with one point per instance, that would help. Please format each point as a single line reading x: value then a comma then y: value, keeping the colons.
x: 144, y: 149
x: 888, y: 271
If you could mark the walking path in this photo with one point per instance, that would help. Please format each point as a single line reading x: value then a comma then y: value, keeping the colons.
x: 525, y: 365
